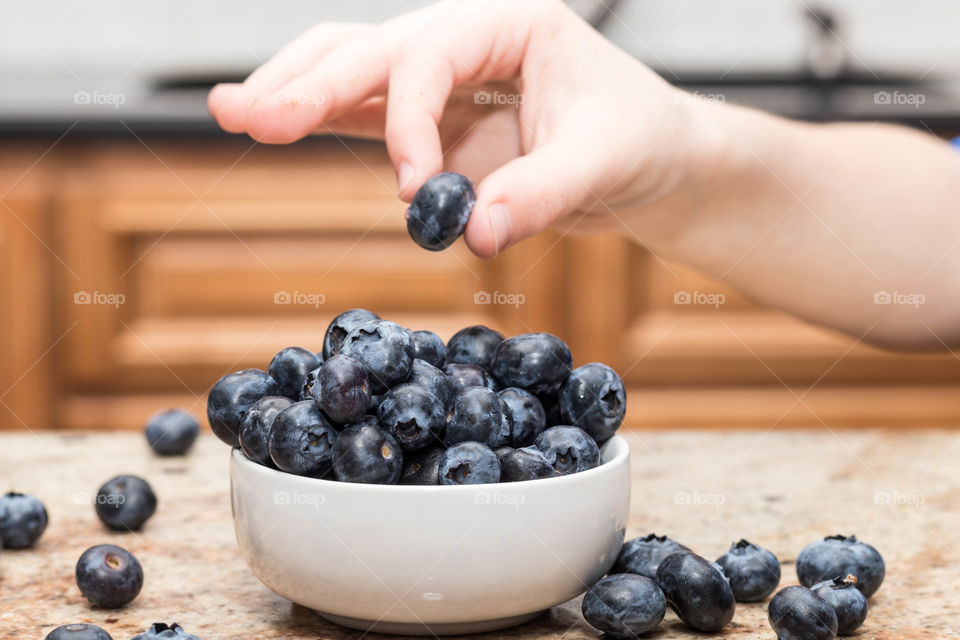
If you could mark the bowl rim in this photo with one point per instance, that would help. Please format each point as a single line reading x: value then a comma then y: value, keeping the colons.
x: 617, y: 446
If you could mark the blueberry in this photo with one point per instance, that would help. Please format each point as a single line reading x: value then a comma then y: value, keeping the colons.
x: 643, y: 555
x: 469, y: 375
x: 474, y: 345
x: 551, y: 411
x: 301, y: 440
x: 289, y: 368
x: 753, y: 571
x: 469, y: 463
x: 433, y: 380
x: 385, y: 349
x: 568, y: 449
x: 500, y: 452
x: 171, y: 432
x: 797, y: 613
x: 80, y: 631
x: 593, y: 398
x: 527, y: 463
x: 848, y: 603
x: 125, y: 503
x: 429, y: 347
x: 624, y: 605
x: 109, y: 576
x: 161, y: 631
x: 256, y: 425
x: 422, y: 467
x: 440, y: 209
x: 502, y: 438
x: 840, y: 556
x: 412, y: 415
x: 340, y: 326
x: 697, y: 590
x: 537, y: 362
x: 529, y: 419
x: 366, y: 453
x: 22, y: 520
x: 476, y: 416
x: 341, y: 389
x: 231, y: 397
x: 308, y: 390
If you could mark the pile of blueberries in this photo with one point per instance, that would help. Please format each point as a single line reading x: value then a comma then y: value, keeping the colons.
x: 386, y: 405
x: 838, y: 574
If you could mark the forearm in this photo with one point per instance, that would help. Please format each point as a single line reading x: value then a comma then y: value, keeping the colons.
x: 821, y: 220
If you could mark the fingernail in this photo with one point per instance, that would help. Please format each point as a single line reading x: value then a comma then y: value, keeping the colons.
x: 404, y: 175
x: 499, y: 218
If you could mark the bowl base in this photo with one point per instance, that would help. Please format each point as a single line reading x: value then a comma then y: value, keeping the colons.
x: 428, y: 629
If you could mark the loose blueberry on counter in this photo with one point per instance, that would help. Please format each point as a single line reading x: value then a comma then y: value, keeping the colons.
x: 440, y: 209
x: 301, y: 440
x: 125, y: 503
x: 527, y: 463
x: 697, y: 590
x: 569, y: 449
x: 476, y: 416
x: 366, y: 453
x: 231, y: 397
x: 429, y: 347
x: 433, y: 380
x: 171, y: 432
x: 341, y: 389
x: 474, y: 345
x: 109, y: 576
x: 422, y: 467
x: 593, y: 398
x: 537, y: 362
x: 342, y: 325
x: 529, y: 419
x: 797, y: 613
x: 469, y: 463
x: 462, y: 376
x: 161, y: 631
x: 643, y: 555
x: 385, y: 349
x: 753, y: 571
x: 624, y: 605
x: 256, y: 425
x: 290, y: 368
x: 840, y: 556
x: 412, y: 415
x: 848, y: 603
x: 79, y: 631
x: 23, y: 519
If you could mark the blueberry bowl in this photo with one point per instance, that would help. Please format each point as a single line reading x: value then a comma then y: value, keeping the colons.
x: 428, y: 560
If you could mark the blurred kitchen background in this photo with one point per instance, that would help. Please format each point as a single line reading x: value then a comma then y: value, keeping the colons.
x: 145, y: 253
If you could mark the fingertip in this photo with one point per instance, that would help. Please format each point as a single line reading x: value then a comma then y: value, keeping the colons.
x: 275, y: 120
x: 488, y: 230
x: 228, y: 106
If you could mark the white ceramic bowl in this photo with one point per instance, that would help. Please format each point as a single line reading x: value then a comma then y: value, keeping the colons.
x: 431, y: 560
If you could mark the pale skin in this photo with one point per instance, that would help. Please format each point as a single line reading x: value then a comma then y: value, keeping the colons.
x: 812, y: 219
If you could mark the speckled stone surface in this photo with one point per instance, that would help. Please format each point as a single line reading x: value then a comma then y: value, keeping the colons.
x: 897, y: 491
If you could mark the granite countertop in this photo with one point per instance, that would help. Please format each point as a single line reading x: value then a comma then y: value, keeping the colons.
x: 897, y: 491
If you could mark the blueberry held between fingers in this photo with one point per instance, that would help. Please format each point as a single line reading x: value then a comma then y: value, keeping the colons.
x: 429, y: 347
x: 469, y: 463
x: 344, y: 394
x: 125, y: 503
x: 23, y: 519
x: 537, y: 362
x: 365, y: 453
x: 109, y: 576
x: 385, y: 349
x: 433, y: 380
x: 753, y: 571
x: 256, y: 427
x: 476, y: 416
x: 569, y: 449
x: 468, y: 375
x: 529, y: 418
x: 527, y: 463
x: 412, y: 415
x: 797, y: 613
x: 643, y: 555
x: 848, y: 603
x: 79, y: 631
x: 231, y: 397
x: 474, y: 345
x: 840, y: 556
x: 290, y: 367
x: 593, y: 398
x: 301, y: 440
x: 171, y: 432
x: 341, y: 326
x: 624, y: 605
x: 161, y: 631
x: 697, y: 590
x: 440, y: 210
x: 422, y: 467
